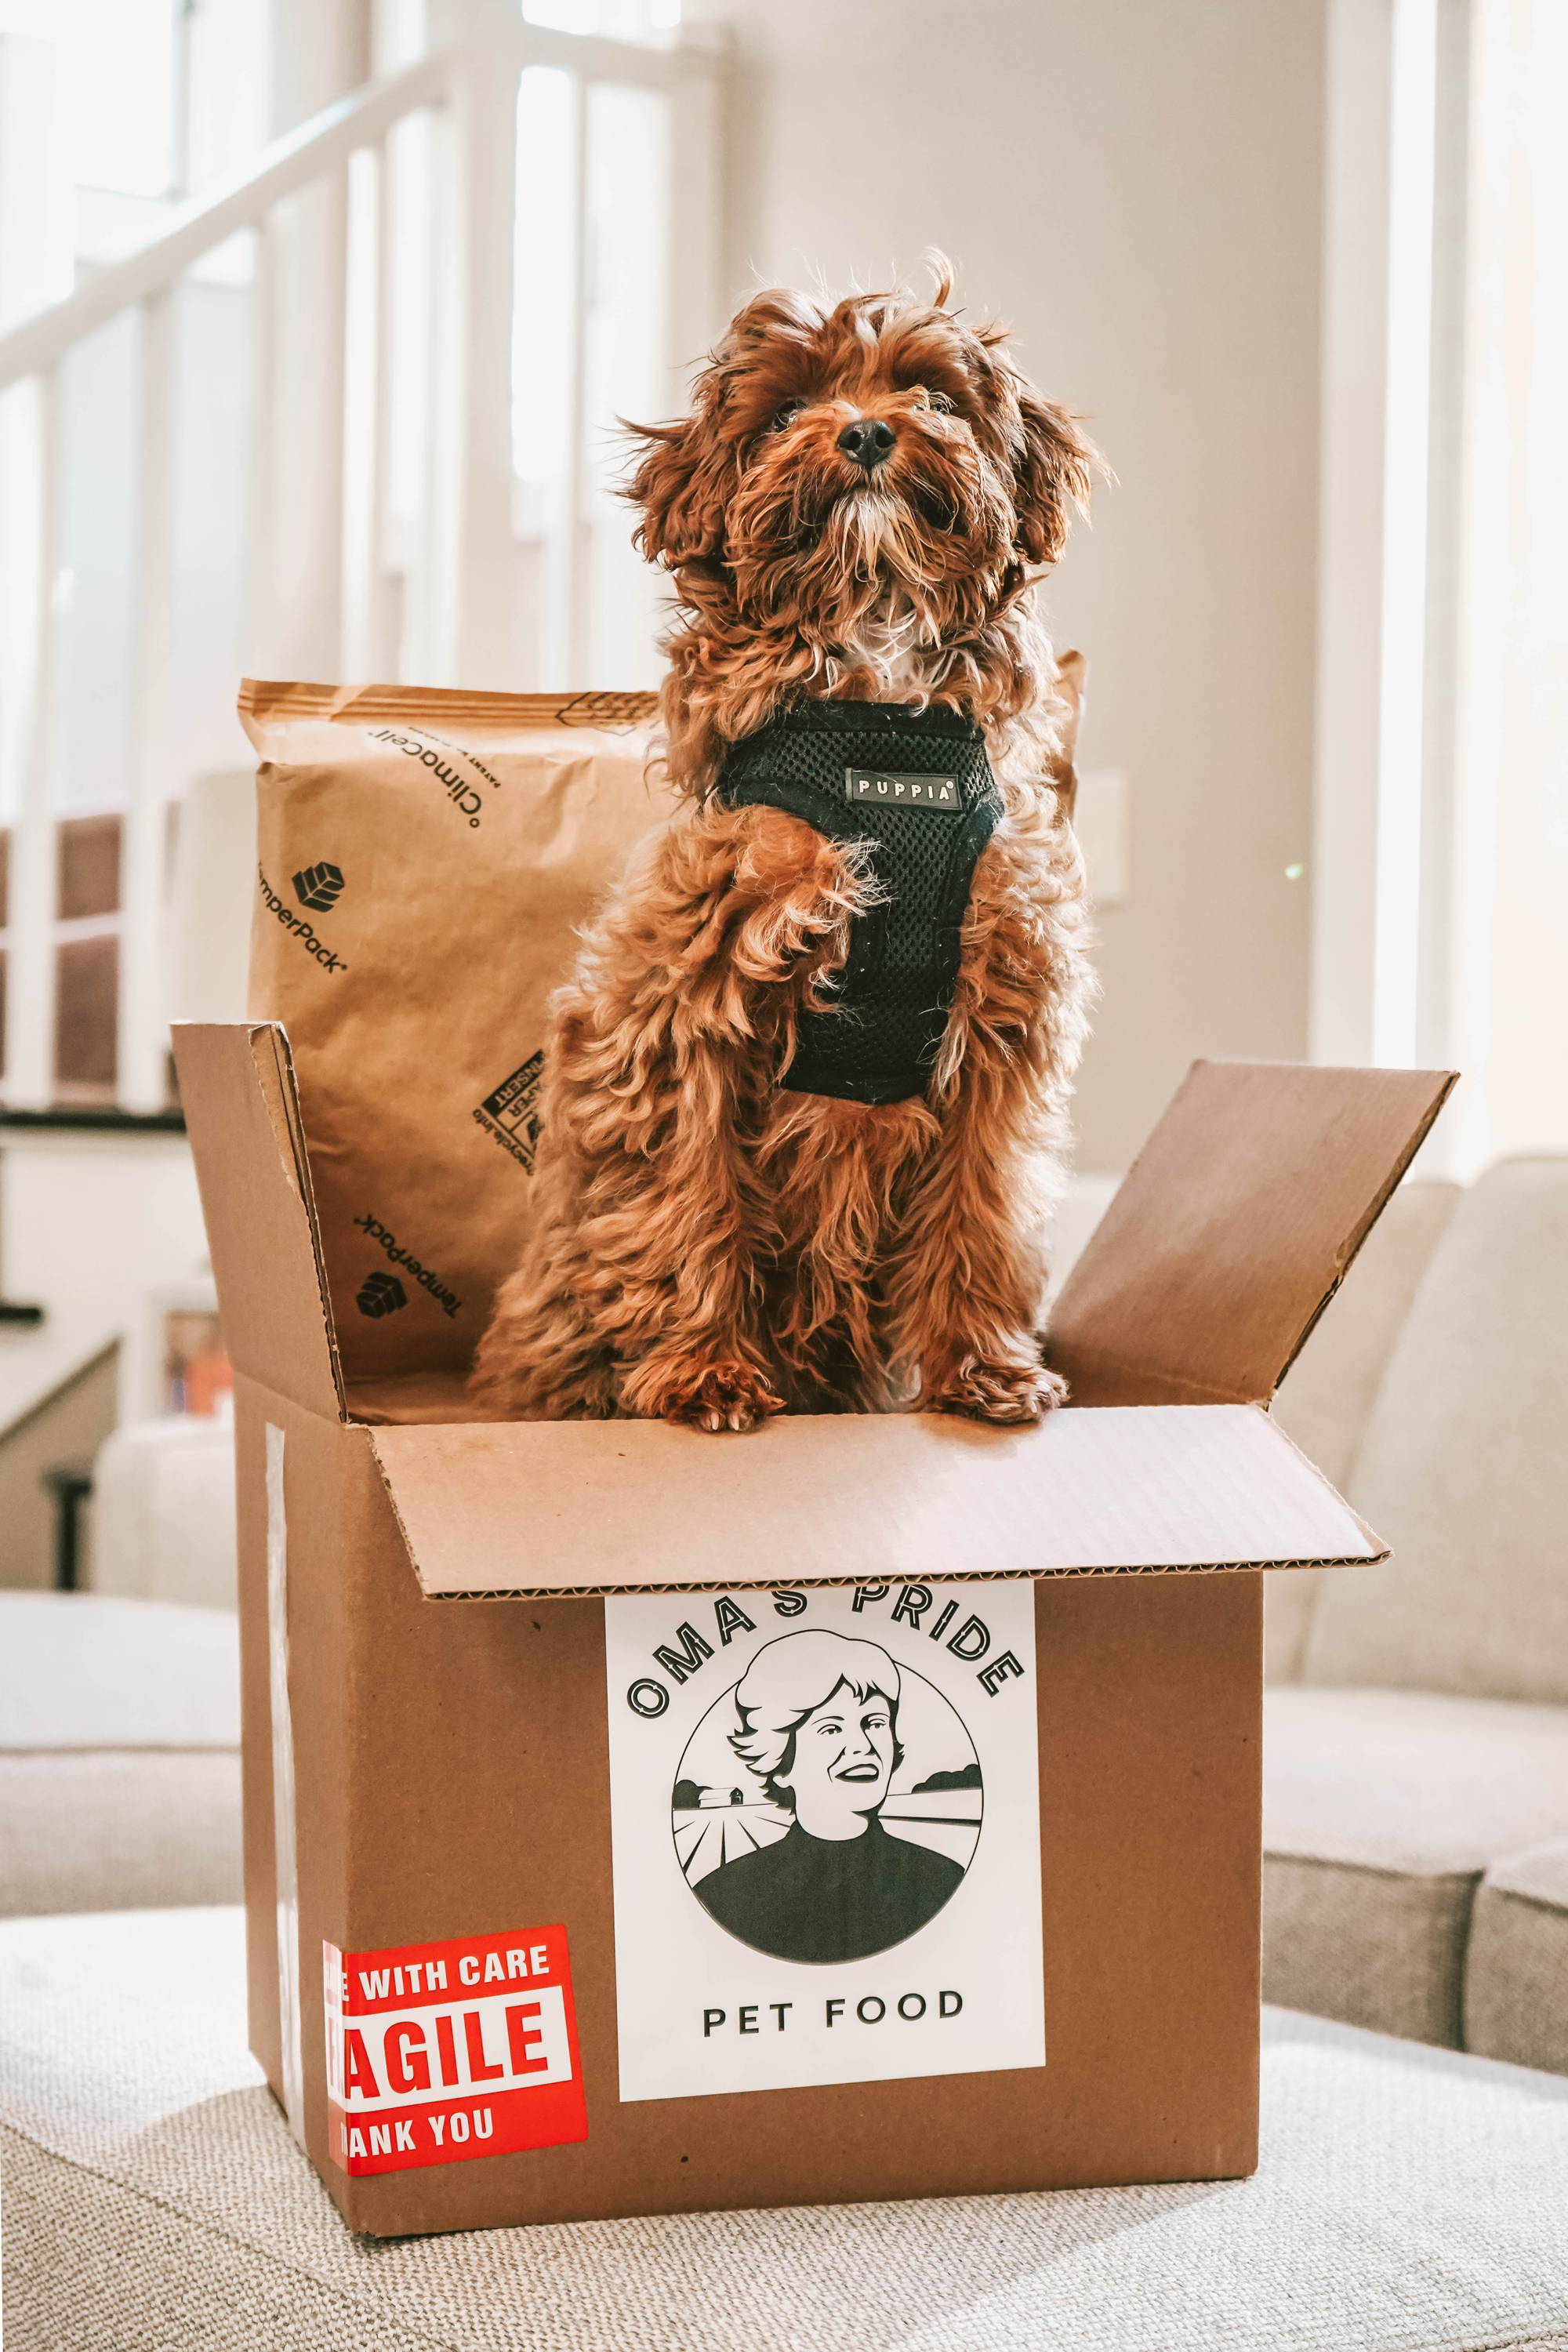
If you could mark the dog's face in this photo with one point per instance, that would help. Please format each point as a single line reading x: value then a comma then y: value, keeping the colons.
x: 840, y: 461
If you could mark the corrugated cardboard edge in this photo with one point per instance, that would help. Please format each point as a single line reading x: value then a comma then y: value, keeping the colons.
x: 277, y: 1077
x: 264, y: 700
x: 1450, y: 1080
x: 958, y: 1576
x: 1379, y: 1552
x: 1159, y: 1382
x: 252, y: 1061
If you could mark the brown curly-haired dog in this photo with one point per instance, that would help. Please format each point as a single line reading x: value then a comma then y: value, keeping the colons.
x: 853, y: 513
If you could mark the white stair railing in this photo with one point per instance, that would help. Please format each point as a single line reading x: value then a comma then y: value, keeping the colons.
x: 325, y: 551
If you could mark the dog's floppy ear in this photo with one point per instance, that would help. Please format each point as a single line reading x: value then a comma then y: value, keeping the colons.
x: 1072, y: 670
x: 691, y: 470
x: 683, y: 485
x: 1053, y: 473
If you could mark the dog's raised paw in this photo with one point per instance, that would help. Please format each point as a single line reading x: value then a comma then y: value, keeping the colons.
x: 1012, y: 1394
x: 715, y: 1397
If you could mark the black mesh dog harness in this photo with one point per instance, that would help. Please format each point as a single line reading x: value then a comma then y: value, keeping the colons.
x: 918, y: 786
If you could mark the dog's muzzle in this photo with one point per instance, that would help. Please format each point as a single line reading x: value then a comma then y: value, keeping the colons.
x: 868, y: 441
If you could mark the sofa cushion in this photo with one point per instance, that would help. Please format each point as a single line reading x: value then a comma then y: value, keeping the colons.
x: 1381, y: 1811
x: 81, y: 1670
x: 164, y: 1514
x: 1464, y: 1468
x: 1408, y: 2200
x: 1327, y: 1396
x: 1516, y: 1972
x: 119, y: 1753
x: 124, y: 1826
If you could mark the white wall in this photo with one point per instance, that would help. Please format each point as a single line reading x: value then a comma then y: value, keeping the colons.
x: 1135, y: 184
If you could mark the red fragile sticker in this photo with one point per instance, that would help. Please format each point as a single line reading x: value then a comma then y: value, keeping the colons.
x: 436, y: 2053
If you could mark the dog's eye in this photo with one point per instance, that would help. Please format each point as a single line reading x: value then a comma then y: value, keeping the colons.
x: 940, y: 401
x: 785, y: 415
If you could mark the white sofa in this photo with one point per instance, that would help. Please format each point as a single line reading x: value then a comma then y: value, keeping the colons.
x: 1406, y: 2201
x: 119, y: 1753
x: 1415, y: 1753
x: 120, y: 1707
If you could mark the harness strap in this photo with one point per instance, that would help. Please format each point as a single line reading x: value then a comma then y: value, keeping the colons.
x: 915, y: 786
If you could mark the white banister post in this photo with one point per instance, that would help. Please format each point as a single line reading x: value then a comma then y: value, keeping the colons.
x: 35, y: 269
x: 37, y: 199
x: 473, y: 587
x: 385, y: 593
x: 259, y: 634
x: 319, y: 50
x: 143, y: 1034
x: 388, y: 587
x: 29, y: 422
x: 300, y: 392
x: 575, y: 635
x: 363, y: 411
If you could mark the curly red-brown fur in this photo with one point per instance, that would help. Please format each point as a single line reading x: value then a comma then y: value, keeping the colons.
x: 709, y: 1247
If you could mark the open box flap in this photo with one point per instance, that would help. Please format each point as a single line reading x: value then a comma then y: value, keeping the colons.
x: 1234, y: 1228
x: 242, y: 1115
x: 542, y: 1507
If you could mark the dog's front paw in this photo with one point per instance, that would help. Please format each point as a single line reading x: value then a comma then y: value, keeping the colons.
x: 717, y: 1397
x: 1009, y: 1393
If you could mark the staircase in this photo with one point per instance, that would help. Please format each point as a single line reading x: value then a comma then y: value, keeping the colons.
x: 355, y: 416
x: 46, y: 1477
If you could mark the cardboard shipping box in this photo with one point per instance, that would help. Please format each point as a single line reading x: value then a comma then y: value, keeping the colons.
x: 535, y: 1934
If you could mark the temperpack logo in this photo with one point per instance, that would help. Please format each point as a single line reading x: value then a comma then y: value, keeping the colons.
x: 381, y: 1294
x: 438, y: 2052
x: 300, y: 931
x: 512, y: 1115
x: 319, y: 886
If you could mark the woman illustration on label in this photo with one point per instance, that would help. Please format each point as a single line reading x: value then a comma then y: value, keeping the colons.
x: 819, y: 1717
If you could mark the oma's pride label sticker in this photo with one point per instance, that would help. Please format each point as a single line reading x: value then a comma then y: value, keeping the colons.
x: 826, y: 1823
x: 436, y: 2053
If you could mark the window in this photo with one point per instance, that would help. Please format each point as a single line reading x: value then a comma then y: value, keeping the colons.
x: 1441, y: 857
x: 117, y: 92
x: 395, y: 532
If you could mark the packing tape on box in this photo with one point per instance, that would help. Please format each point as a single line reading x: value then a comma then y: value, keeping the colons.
x: 283, y: 1817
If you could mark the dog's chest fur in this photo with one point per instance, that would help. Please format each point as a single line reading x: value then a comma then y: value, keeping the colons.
x: 888, y: 649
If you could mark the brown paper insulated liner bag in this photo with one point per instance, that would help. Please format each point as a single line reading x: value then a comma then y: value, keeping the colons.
x: 425, y: 861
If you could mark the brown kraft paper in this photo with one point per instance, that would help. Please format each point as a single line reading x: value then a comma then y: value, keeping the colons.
x: 425, y: 859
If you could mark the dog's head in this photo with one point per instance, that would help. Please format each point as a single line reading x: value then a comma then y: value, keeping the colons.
x: 838, y: 462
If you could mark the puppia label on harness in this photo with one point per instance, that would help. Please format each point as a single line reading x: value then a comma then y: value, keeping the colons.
x: 825, y: 1815
x: 903, y: 792
x: 436, y: 2053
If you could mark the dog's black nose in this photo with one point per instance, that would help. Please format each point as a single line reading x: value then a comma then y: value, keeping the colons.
x: 867, y: 440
